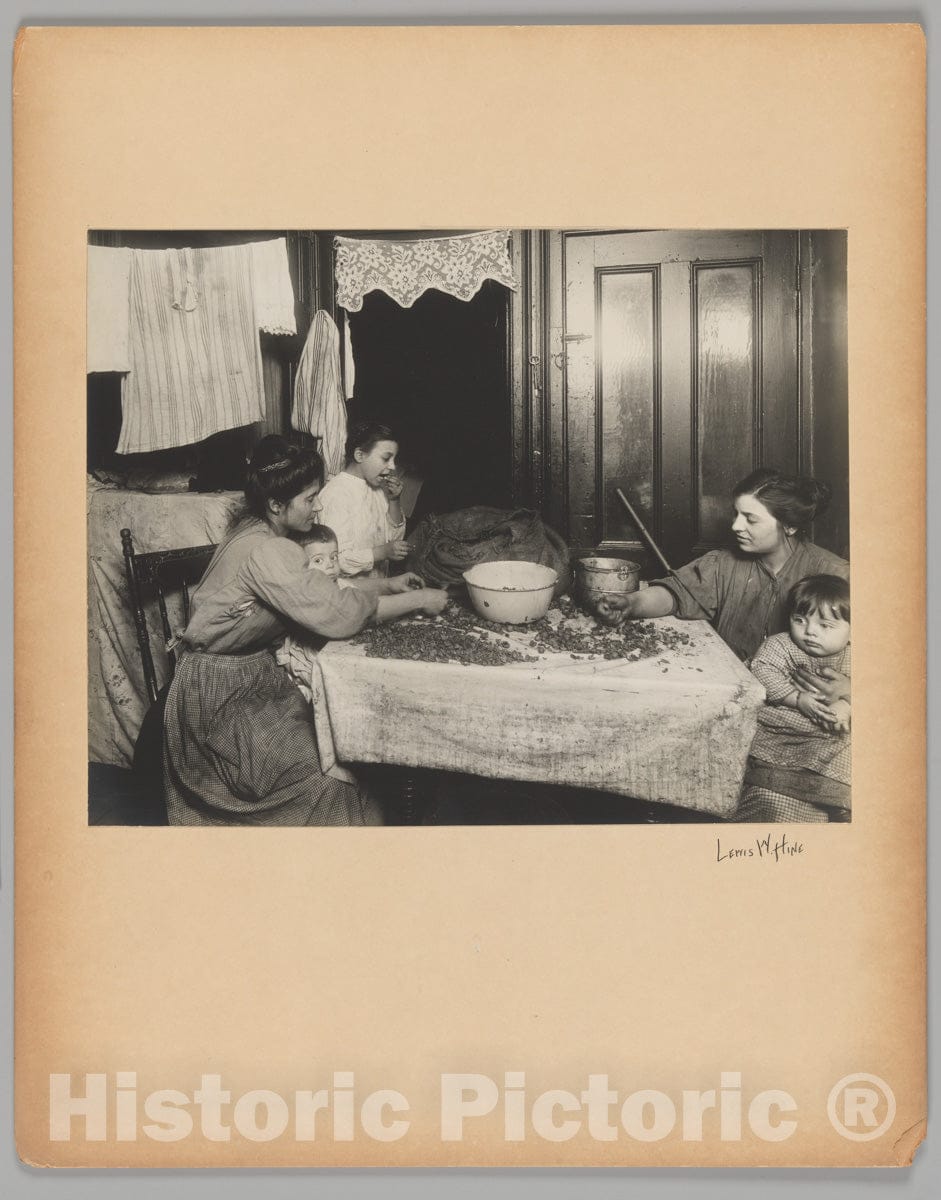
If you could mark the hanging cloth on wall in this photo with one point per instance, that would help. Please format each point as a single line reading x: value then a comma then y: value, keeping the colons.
x: 109, y: 274
x: 349, y: 366
x: 109, y: 271
x: 404, y: 270
x: 274, y: 292
x: 319, y: 407
x: 195, y: 356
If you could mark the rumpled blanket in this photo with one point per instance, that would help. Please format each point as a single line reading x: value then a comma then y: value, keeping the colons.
x: 444, y: 547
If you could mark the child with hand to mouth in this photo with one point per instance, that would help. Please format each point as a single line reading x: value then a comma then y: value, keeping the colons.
x: 362, y: 504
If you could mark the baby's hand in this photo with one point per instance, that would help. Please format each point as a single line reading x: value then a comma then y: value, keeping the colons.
x: 813, y: 708
x: 839, y: 717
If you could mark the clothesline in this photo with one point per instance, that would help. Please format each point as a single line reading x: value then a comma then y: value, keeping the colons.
x: 443, y: 237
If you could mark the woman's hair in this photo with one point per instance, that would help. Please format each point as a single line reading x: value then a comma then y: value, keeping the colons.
x: 363, y: 435
x: 819, y: 593
x: 794, y: 500
x: 318, y: 535
x: 279, y: 469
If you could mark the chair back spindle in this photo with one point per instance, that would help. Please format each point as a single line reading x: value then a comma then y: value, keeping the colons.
x: 160, y: 573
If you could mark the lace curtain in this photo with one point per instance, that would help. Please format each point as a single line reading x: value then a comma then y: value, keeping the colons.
x: 404, y: 270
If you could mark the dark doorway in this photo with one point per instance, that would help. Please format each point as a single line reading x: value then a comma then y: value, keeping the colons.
x: 437, y: 374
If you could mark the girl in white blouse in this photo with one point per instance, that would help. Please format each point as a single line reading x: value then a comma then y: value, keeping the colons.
x: 362, y: 506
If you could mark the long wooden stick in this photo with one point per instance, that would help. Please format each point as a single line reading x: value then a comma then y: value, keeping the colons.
x: 648, y: 538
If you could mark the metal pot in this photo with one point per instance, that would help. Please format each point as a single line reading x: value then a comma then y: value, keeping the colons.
x: 599, y: 577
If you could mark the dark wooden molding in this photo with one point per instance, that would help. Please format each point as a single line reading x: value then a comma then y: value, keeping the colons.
x: 527, y: 354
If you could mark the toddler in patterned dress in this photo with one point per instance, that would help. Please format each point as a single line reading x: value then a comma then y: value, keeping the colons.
x: 799, y: 765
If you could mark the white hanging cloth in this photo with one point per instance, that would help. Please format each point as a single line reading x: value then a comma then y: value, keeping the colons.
x: 194, y: 351
x: 349, y: 366
x: 319, y: 407
x: 404, y: 270
x: 274, y: 292
x: 109, y: 309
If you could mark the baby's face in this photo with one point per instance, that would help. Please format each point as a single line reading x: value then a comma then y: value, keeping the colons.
x: 820, y: 632
x: 323, y: 556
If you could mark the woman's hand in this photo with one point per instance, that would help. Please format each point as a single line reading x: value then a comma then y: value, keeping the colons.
x: 432, y: 601
x: 828, y: 684
x: 405, y: 583
x: 613, y: 610
x: 412, y: 600
x: 394, y: 551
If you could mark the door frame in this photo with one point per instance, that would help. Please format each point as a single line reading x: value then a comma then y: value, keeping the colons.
x: 535, y: 330
x: 554, y: 399
x: 527, y: 356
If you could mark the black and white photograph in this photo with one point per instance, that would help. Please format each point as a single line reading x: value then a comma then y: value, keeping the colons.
x: 483, y: 431
x: 468, y: 527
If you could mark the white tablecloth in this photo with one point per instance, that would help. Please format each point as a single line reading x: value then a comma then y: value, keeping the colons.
x: 674, y: 729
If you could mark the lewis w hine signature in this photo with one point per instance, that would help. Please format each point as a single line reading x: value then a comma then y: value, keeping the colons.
x: 770, y: 847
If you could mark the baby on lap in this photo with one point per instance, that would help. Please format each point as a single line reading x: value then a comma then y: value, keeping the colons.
x: 322, y: 555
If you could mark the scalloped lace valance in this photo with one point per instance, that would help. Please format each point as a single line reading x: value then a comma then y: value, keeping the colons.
x: 404, y: 270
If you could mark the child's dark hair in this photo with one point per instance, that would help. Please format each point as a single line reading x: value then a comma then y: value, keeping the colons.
x: 363, y: 435
x: 280, y: 469
x: 819, y: 593
x: 318, y: 535
x: 794, y: 500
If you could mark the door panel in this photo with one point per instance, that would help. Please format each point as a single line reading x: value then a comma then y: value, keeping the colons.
x: 679, y: 364
x: 628, y: 389
x: 724, y: 405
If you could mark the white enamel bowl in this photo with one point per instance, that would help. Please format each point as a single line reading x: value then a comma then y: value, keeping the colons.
x: 512, y: 593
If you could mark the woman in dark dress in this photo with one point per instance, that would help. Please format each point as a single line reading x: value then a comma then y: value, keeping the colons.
x: 240, y: 746
x: 743, y: 591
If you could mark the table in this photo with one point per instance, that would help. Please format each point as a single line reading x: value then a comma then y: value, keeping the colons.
x: 673, y: 729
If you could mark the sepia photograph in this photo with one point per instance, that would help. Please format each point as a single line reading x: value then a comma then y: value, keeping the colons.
x: 468, y: 527
x: 483, y: 431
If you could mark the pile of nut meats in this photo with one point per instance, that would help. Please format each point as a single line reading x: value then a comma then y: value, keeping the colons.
x: 458, y: 635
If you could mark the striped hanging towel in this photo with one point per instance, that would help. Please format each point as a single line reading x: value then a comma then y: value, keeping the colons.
x: 319, y: 408
x: 194, y: 349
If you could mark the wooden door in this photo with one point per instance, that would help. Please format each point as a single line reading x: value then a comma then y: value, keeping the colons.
x: 677, y: 355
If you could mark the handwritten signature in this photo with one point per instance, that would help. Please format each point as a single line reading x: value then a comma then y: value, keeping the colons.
x: 774, y: 849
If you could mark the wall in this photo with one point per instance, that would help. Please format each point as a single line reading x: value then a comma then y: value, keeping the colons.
x: 824, y: 378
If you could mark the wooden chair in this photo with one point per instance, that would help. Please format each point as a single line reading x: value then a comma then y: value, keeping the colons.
x: 157, y: 575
